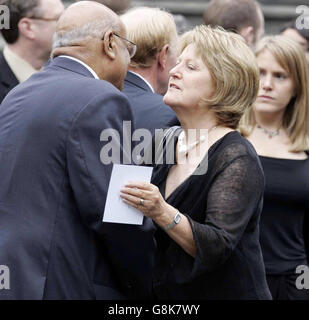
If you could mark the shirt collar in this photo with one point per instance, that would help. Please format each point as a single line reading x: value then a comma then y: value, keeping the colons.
x: 138, y: 75
x: 20, y: 67
x: 82, y: 63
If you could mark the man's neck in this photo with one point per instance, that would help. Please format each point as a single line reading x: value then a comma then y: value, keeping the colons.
x: 27, y: 54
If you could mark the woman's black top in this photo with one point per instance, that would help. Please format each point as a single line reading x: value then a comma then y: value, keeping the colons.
x: 223, y: 207
x: 286, y: 201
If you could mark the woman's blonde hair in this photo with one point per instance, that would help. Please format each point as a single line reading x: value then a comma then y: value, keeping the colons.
x: 233, y: 68
x: 291, y: 58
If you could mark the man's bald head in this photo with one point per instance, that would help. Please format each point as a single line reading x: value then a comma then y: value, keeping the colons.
x: 118, y: 6
x: 85, y: 12
x: 82, y: 20
x: 80, y: 32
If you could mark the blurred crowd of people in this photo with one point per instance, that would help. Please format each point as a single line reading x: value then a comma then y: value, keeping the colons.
x: 228, y: 219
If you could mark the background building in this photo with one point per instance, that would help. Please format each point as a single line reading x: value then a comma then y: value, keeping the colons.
x: 276, y: 12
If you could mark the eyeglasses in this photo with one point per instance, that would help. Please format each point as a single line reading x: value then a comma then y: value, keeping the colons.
x: 131, y: 46
x: 44, y: 19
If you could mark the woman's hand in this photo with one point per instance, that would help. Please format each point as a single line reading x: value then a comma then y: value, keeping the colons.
x: 145, y: 197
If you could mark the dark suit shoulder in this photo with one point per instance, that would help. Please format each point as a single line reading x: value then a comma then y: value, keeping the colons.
x: 149, y: 110
x: 57, y: 97
x: 7, y: 78
x: 71, y: 86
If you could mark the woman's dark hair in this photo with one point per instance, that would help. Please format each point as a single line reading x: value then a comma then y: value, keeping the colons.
x: 292, y: 25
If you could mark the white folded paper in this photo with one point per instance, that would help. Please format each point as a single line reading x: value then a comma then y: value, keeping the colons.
x: 116, y: 210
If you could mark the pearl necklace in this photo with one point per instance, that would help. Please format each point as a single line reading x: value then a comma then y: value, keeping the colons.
x: 270, y: 133
x: 183, y: 148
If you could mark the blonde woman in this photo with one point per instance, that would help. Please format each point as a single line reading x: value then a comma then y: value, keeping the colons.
x: 278, y: 128
x: 207, y: 204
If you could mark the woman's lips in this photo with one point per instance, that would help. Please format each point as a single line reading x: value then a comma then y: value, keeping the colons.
x: 266, y: 97
x: 173, y: 85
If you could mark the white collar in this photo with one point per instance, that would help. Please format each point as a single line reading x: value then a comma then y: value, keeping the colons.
x: 82, y: 63
x: 138, y: 75
x: 20, y: 67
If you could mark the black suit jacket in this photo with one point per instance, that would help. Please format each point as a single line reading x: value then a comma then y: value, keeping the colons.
x: 149, y: 110
x: 53, y: 189
x: 7, y: 78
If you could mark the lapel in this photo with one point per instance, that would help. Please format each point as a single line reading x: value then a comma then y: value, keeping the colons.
x: 7, y: 77
x: 137, y: 81
x: 70, y: 65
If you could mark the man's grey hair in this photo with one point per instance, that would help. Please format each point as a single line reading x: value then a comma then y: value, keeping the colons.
x: 95, y: 29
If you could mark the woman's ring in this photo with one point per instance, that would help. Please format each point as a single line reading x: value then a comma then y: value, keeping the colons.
x: 141, y: 201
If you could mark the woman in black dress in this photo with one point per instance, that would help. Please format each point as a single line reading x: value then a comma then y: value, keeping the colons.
x: 207, y: 203
x: 278, y: 128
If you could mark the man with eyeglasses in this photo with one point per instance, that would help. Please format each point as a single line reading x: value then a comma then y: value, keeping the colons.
x: 28, y: 40
x: 131, y: 46
x: 55, y: 178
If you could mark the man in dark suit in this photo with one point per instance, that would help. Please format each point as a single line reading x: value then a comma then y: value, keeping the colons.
x: 154, y: 32
x: 8, y: 79
x: 28, y: 39
x: 53, y: 182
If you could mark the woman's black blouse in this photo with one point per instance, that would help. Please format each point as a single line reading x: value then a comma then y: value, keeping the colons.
x: 223, y: 207
x: 286, y: 202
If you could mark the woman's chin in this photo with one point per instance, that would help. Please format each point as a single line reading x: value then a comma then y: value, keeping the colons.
x: 266, y: 108
x: 168, y: 100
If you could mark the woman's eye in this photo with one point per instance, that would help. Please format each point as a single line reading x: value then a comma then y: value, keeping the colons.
x: 191, y: 66
x: 280, y: 76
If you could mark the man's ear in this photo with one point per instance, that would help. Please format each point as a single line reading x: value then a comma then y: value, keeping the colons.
x: 25, y: 28
x: 162, y: 57
x: 248, y: 34
x: 109, y: 44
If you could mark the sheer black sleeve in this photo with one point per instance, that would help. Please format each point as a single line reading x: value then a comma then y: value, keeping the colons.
x: 234, y: 198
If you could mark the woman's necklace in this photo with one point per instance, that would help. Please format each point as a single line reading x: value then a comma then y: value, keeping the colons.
x: 184, y: 148
x: 270, y: 133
